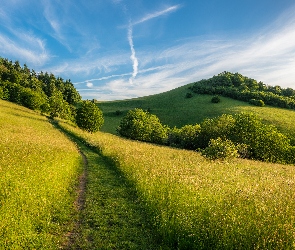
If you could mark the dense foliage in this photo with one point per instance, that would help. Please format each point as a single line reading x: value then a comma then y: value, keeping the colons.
x: 37, y: 91
x: 89, y: 117
x: 246, y: 89
x: 143, y: 126
x: 221, y: 137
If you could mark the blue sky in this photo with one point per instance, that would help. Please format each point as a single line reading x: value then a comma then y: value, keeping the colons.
x: 119, y: 49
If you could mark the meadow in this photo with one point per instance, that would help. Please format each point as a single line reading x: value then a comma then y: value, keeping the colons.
x: 174, y: 109
x: 194, y: 203
x: 39, y: 168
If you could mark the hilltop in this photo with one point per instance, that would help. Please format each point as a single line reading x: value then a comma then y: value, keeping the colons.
x: 174, y: 109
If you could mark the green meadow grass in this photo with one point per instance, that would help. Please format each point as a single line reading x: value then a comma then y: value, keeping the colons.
x: 174, y: 109
x: 195, y: 203
x: 38, y: 168
x: 113, y: 216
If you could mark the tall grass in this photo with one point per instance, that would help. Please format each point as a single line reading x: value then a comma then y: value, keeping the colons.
x: 198, y: 204
x: 38, y: 169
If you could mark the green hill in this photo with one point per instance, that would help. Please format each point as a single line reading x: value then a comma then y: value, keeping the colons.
x: 174, y: 109
x: 39, y: 167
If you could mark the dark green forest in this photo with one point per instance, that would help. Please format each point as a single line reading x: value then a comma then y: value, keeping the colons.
x: 38, y: 91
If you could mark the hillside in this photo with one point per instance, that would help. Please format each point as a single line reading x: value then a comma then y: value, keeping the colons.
x: 39, y: 168
x: 174, y: 109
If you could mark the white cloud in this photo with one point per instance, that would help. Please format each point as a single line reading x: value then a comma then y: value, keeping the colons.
x: 156, y: 14
x: 89, y: 85
x: 27, y: 48
x: 133, y: 56
x: 268, y: 56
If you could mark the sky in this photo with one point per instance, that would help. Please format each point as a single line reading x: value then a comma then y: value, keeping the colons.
x: 121, y: 49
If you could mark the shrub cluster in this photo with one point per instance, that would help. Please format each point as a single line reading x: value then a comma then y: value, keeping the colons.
x: 245, y: 89
x: 222, y: 137
x: 143, y: 126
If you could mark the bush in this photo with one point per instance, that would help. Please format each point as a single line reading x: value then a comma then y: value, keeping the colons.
x: 215, y: 99
x: 185, y: 137
x: 32, y: 99
x: 213, y: 128
x: 264, y: 142
x: 220, y: 149
x: 89, y: 117
x: 143, y: 126
x: 189, y: 136
x: 258, y: 103
x: 188, y: 95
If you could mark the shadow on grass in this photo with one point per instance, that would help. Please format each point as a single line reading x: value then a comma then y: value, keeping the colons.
x: 113, y: 217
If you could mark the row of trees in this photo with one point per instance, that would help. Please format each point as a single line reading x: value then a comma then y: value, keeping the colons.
x: 37, y: 91
x: 47, y: 93
x: 225, y: 136
x: 243, y: 88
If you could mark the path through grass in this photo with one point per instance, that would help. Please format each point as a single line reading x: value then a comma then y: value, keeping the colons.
x: 113, y: 216
x: 199, y: 204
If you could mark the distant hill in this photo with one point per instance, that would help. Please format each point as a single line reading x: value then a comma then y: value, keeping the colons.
x: 175, y: 109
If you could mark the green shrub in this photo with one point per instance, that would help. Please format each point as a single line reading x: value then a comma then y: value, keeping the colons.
x: 32, y: 99
x: 264, y: 142
x: 188, y: 95
x: 258, y: 103
x: 184, y: 137
x: 143, y: 126
x: 215, y: 99
x: 213, y: 128
x: 89, y: 117
x: 189, y: 136
x: 220, y: 149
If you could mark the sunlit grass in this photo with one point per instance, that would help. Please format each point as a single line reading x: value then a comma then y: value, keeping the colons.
x: 113, y: 216
x: 38, y: 169
x: 198, y: 204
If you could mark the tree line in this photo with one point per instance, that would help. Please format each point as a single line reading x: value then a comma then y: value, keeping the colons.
x: 47, y: 93
x: 240, y: 135
x: 239, y: 87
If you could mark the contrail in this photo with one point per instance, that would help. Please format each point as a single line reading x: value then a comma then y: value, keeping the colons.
x: 133, y: 57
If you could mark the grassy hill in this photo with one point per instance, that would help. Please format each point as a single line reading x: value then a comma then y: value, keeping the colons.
x: 39, y: 167
x: 191, y: 202
x: 138, y: 194
x: 174, y: 109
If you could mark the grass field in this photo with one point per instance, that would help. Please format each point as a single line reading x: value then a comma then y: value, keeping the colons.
x: 113, y: 216
x: 194, y: 203
x: 39, y: 168
x: 174, y: 109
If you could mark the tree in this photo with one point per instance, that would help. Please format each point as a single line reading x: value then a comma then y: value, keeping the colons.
x: 58, y: 107
x: 143, y: 126
x: 89, y: 117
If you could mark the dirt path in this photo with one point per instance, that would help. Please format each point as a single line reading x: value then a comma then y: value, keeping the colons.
x: 79, y: 204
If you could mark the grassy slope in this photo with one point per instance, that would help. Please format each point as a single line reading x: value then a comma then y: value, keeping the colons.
x: 174, y: 109
x: 198, y: 204
x: 39, y: 168
x: 113, y: 216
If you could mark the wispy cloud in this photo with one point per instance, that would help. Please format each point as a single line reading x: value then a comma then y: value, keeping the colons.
x: 133, y: 56
x: 26, y: 48
x: 157, y: 14
x: 267, y: 55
